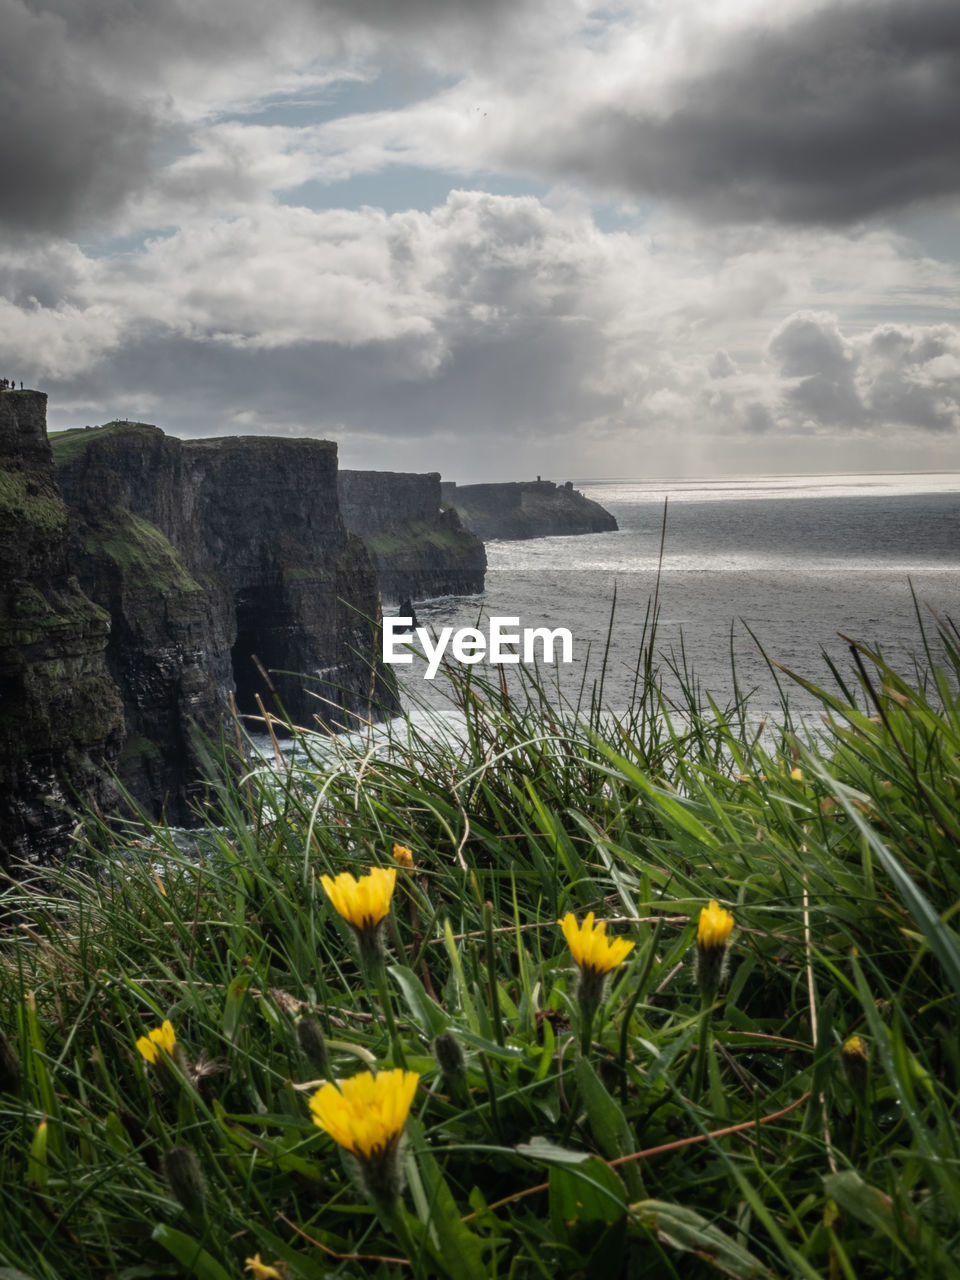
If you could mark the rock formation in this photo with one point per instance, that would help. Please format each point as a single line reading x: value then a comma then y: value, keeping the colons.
x: 61, y: 719
x: 225, y: 565
x: 526, y: 509
x: 418, y: 549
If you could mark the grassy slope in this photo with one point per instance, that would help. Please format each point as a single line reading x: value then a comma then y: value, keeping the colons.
x: 843, y: 880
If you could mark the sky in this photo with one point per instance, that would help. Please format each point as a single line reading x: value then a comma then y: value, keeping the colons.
x: 492, y: 238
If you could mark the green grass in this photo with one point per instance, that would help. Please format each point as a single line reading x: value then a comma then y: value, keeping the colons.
x: 671, y: 1148
x: 415, y: 536
x: 68, y: 445
x: 140, y: 550
x: 27, y: 500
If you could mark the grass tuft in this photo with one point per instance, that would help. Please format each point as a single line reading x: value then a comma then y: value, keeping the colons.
x: 794, y: 1115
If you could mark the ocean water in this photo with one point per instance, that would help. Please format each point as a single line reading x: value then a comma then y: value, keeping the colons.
x: 799, y: 561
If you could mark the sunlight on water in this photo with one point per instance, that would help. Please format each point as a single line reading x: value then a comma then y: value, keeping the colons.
x: 798, y: 561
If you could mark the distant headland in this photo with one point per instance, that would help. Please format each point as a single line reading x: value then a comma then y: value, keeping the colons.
x: 526, y: 509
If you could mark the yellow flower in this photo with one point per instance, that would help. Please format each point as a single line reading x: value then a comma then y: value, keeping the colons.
x: 403, y: 856
x: 365, y: 902
x: 854, y: 1047
x: 366, y: 1114
x: 855, y: 1060
x: 161, y: 1037
x: 796, y: 775
x: 714, y: 927
x: 263, y: 1270
x: 590, y: 947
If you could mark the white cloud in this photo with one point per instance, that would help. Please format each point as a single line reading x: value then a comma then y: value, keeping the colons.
x: 489, y: 315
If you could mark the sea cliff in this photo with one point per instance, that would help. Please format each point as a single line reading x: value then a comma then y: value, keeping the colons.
x: 418, y: 549
x: 226, y: 570
x: 526, y: 509
x: 61, y: 719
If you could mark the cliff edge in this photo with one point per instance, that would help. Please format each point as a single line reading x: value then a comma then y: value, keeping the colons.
x: 526, y: 509
x: 61, y: 719
x: 418, y: 549
x: 226, y: 569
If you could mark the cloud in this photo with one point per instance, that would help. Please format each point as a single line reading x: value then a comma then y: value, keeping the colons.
x: 484, y: 337
x: 827, y: 117
x: 810, y: 349
x: 71, y: 148
x: 891, y: 377
x: 99, y: 96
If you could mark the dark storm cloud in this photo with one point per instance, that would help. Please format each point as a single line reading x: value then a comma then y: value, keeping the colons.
x: 847, y: 112
x: 495, y: 390
x: 89, y: 88
x: 70, y: 149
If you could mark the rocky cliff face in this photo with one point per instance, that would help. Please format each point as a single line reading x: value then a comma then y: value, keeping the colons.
x: 526, y: 509
x: 225, y: 566
x: 61, y: 719
x: 418, y: 549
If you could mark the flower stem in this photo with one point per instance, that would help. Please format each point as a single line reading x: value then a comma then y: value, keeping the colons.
x: 386, y: 1006
x: 704, y: 1046
x: 397, y: 1221
x: 587, y: 1014
x: 492, y: 972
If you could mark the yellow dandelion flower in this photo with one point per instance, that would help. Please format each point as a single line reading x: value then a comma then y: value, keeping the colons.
x: 590, y: 947
x: 796, y: 775
x: 855, y: 1060
x: 365, y: 902
x: 263, y: 1270
x: 714, y: 927
x: 403, y: 856
x: 366, y: 1114
x: 854, y: 1047
x: 160, y: 1038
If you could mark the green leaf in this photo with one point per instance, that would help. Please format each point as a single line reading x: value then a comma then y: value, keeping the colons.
x: 609, y: 1125
x: 507, y: 1052
x: 588, y: 1212
x: 189, y: 1254
x: 458, y: 977
x: 688, y: 1232
x: 233, y: 1006
x: 942, y: 942
x: 550, y: 1152
x: 459, y: 1247
x: 427, y: 1012
x: 37, y: 1170
x: 867, y: 1204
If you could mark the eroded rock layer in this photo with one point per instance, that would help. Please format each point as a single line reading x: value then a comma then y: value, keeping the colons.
x: 225, y: 567
x: 61, y: 719
x: 419, y: 549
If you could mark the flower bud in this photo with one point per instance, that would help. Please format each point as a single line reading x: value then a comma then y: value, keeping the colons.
x: 449, y: 1055
x: 855, y: 1061
x: 9, y: 1067
x: 403, y: 856
x: 310, y: 1036
x: 184, y: 1177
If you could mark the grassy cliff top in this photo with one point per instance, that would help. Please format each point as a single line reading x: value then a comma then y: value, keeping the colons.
x: 67, y: 445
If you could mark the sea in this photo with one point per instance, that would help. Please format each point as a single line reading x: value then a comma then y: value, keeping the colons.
x: 752, y: 578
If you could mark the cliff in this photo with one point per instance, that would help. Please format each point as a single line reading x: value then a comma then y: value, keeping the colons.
x: 61, y: 719
x: 526, y: 509
x: 418, y: 549
x: 219, y: 561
